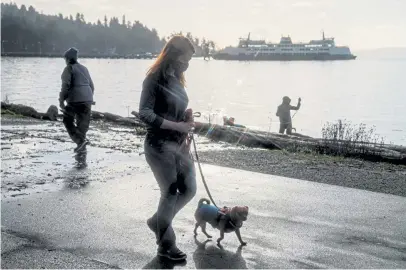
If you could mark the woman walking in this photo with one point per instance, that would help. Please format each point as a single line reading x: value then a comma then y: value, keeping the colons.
x: 162, y: 107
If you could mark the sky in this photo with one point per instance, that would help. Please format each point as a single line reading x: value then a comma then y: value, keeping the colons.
x: 360, y: 24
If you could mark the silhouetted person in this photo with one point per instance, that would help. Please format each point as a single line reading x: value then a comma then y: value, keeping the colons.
x: 283, y: 113
x: 77, y: 90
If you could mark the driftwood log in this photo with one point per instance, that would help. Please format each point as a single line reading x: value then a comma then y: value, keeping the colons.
x: 241, y: 136
x: 21, y: 110
x: 297, y: 142
x: 136, y: 114
x: 52, y: 114
x: 234, y: 135
x: 114, y: 118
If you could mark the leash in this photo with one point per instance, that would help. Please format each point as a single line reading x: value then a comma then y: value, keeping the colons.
x: 201, y: 171
x: 190, y: 115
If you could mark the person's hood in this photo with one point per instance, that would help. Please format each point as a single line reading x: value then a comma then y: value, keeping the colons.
x: 71, y: 54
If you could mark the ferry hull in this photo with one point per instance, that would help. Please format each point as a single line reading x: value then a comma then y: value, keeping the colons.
x: 283, y: 57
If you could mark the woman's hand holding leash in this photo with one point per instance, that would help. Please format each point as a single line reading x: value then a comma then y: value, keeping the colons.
x: 185, y: 127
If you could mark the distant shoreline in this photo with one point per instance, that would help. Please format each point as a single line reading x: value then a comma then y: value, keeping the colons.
x: 59, y: 55
x: 94, y: 56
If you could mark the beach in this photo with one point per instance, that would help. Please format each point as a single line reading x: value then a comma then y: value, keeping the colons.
x: 57, y: 213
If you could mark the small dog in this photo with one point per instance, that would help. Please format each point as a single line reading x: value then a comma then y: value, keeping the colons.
x: 225, y: 219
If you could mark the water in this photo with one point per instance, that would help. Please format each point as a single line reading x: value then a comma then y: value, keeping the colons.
x: 370, y: 91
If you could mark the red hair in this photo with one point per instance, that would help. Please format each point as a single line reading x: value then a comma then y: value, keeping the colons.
x: 175, y: 47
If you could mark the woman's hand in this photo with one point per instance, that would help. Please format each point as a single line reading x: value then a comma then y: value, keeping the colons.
x: 184, y: 127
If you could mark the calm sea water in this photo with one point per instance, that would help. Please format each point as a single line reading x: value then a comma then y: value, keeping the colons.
x: 367, y: 90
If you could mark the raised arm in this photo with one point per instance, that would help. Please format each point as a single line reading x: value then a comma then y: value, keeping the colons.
x: 298, y: 105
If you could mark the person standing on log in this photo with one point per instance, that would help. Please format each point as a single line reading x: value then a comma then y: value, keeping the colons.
x: 283, y: 113
x: 77, y: 90
x: 163, y: 107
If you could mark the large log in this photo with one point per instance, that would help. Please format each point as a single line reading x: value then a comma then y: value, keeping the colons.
x: 298, y: 142
x: 52, y: 113
x: 109, y: 117
x: 251, y: 138
x: 136, y: 114
x: 21, y: 110
x: 234, y: 135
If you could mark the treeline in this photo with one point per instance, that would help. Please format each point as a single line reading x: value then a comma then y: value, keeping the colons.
x: 24, y: 30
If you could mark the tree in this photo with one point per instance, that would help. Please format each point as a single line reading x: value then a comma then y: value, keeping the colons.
x: 23, y: 9
x: 212, y: 45
x: 31, y: 9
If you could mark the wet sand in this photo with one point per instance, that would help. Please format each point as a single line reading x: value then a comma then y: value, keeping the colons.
x: 292, y: 224
x: 34, y: 153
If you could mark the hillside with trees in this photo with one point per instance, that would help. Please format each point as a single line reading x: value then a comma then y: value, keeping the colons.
x: 25, y: 30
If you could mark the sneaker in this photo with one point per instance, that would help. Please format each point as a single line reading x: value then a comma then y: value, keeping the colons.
x: 81, y: 146
x: 173, y: 253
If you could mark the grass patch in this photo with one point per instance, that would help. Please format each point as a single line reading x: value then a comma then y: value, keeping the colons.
x: 346, y: 139
x: 10, y: 113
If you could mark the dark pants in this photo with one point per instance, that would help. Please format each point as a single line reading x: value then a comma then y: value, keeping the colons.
x: 287, y: 127
x: 79, y: 112
x: 176, y: 176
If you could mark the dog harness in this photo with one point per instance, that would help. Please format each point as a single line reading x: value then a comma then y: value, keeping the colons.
x: 213, y: 215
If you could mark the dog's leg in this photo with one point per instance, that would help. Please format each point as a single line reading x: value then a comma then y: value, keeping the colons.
x: 237, y: 232
x: 196, y: 226
x: 221, y: 236
x: 203, y: 226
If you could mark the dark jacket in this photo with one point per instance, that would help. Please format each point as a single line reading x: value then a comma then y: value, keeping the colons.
x: 77, y: 85
x: 162, y: 100
x: 283, y: 112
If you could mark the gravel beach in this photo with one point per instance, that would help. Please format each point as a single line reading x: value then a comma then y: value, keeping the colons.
x: 353, y: 173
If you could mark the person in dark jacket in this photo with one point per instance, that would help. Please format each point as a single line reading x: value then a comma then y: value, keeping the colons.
x: 162, y: 107
x: 283, y: 113
x: 77, y: 90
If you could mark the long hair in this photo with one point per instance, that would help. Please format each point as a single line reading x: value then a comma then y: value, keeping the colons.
x: 175, y: 47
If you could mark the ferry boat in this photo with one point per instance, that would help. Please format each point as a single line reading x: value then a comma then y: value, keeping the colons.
x: 285, y: 50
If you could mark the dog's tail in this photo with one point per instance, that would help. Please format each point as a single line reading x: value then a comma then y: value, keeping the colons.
x: 202, y: 200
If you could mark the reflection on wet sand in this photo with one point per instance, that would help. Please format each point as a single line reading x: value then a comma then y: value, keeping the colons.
x: 162, y: 263
x: 78, y: 177
x: 213, y: 257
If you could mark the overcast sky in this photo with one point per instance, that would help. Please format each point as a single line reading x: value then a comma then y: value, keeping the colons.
x: 361, y: 24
